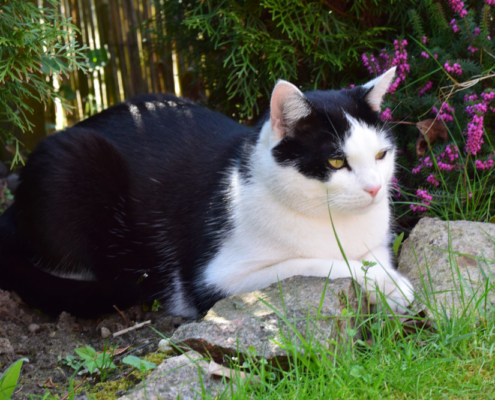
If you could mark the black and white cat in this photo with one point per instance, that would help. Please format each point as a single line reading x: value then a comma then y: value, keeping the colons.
x: 159, y: 198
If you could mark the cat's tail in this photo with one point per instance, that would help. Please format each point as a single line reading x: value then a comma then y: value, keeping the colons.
x: 50, y: 293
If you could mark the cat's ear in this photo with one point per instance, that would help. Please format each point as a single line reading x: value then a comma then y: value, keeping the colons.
x: 378, y: 87
x: 287, y: 106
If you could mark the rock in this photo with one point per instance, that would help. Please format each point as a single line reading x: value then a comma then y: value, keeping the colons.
x: 244, y: 324
x: 179, y: 377
x: 4, y: 171
x: 66, y: 322
x: 105, y: 333
x: 5, y: 346
x: 164, y: 346
x: 473, y: 243
x: 33, y: 328
x: 13, y: 182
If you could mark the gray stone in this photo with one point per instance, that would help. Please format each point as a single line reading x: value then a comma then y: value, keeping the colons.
x: 33, y: 328
x: 441, y: 275
x: 165, y: 347
x: 13, y: 182
x: 105, y: 332
x: 245, y: 324
x: 5, y: 346
x: 4, y: 171
x: 179, y: 377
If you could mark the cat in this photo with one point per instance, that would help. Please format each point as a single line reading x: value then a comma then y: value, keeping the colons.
x: 161, y: 199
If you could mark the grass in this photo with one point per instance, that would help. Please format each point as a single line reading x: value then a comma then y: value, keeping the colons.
x: 443, y: 358
x: 448, y: 354
x: 445, y: 355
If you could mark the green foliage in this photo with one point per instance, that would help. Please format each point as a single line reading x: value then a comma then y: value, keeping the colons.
x: 7, y: 196
x: 237, y: 49
x: 103, y: 362
x: 141, y: 365
x: 396, y: 245
x: 72, y: 362
x: 8, y: 380
x: 138, y: 363
x: 156, y: 306
x: 35, y: 43
x: 416, y: 23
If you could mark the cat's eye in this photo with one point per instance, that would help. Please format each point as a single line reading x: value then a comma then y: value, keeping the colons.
x: 337, y: 163
x: 381, y: 155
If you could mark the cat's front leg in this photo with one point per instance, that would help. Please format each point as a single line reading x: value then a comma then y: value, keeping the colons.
x: 261, y: 277
x: 378, y: 272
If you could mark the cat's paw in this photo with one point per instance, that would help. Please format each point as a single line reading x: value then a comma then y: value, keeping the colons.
x: 397, y: 289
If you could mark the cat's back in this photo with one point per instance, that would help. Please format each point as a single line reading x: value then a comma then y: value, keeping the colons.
x: 162, y: 124
x: 125, y: 177
x: 157, y: 141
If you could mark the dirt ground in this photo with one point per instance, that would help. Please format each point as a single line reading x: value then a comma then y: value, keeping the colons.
x: 43, y: 339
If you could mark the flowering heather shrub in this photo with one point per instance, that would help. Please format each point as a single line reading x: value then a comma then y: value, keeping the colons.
x: 233, y: 51
x: 446, y: 72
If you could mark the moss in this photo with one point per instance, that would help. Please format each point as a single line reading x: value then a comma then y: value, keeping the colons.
x: 155, y: 357
x: 107, y: 390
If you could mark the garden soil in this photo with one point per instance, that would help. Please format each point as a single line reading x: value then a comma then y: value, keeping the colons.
x: 45, y: 341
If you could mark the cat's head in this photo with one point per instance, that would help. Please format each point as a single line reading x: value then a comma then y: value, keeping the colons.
x: 331, y: 142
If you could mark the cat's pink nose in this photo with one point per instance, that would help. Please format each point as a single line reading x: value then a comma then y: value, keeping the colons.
x: 373, y: 190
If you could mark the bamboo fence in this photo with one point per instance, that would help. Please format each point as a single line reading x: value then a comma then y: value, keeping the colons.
x: 126, y: 65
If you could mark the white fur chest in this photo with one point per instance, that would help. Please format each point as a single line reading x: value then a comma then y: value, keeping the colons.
x: 266, y: 233
x: 268, y: 227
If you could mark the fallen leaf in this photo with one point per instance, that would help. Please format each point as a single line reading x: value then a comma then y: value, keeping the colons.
x: 49, y: 383
x: 430, y: 130
x: 116, y: 352
x: 220, y: 370
x: 120, y: 351
x: 420, y: 322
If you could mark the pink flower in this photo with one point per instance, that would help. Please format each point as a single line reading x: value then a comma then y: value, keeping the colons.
x: 477, y: 29
x: 400, y: 60
x: 425, y: 88
x: 474, y: 131
x: 424, y: 39
x: 472, y: 49
x: 423, y: 162
x: 488, y: 164
x: 454, y: 26
x: 487, y: 96
x: 378, y: 65
x: 445, y: 112
x: 454, y: 69
x: 424, y: 54
x: 490, y: 2
x: 395, y: 184
x: 471, y: 97
x: 386, y: 114
x: 474, y: 135
x: 458, y: 7
x: 425, y: 200
x: 433, y: 180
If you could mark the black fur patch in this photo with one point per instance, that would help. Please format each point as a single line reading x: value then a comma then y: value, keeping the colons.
x: 136, y: 191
